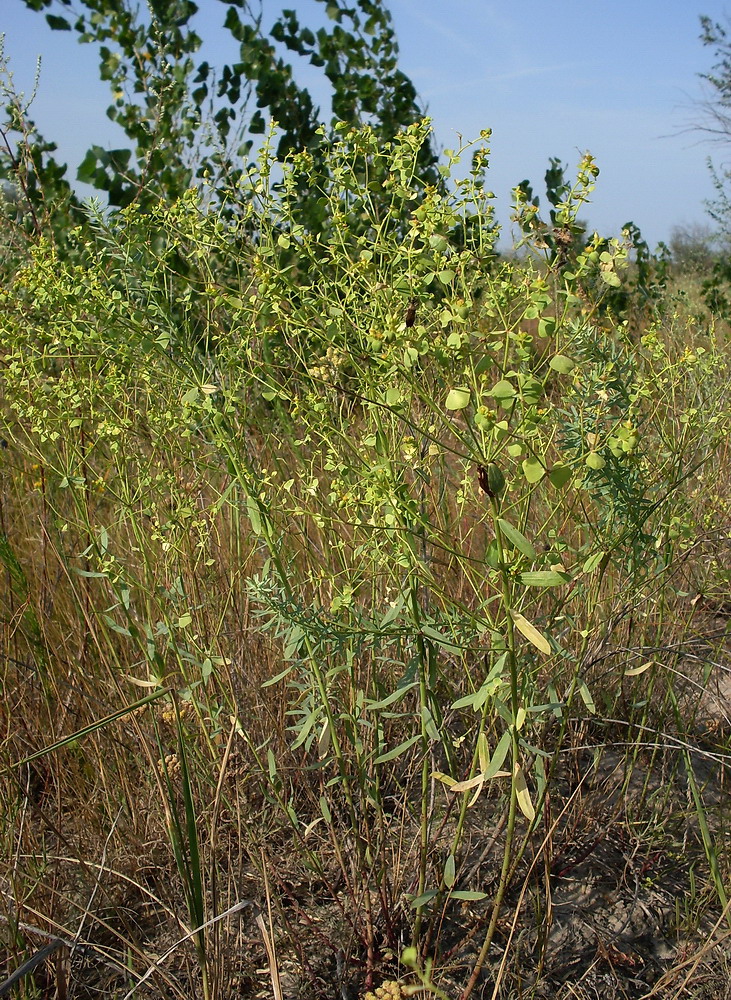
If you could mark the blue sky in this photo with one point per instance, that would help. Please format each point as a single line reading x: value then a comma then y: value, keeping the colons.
x: 549, y: 78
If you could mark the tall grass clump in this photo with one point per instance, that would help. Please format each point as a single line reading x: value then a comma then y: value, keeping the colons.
x: 351, y: 577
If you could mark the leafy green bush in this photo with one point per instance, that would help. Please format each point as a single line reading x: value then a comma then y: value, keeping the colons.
x: 437, y: 478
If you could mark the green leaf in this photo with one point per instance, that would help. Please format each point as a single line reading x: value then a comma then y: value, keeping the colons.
x: 516, y: 538
x: 397, y: 751
x: 502, y: 390
x: 449, y: 872
x: 442, y: 640
x: 446, y: 779
x: 325, y: 809
x: 58, y: 23
x: 428, y: 724
x: 424, y: 898
x: 560, y: 474
x: 490, y: 685
x: 278, y: 677
x: 561, y: 364
x: 305, y: 728
x: 120, y: 629
x: 468, y: 894
x: 99, y: 724
x: 546, y: 326
x: 458, y: 399
x: 595, y: 461
x: 393, y: 612
x: 586, y: 697
x: 533, y: 470
x: 391, y: 699
x: 446, y: 277
x: 498, y: 758
x: 592, y: 562
x: 252, y: 509
x: 544, y: 578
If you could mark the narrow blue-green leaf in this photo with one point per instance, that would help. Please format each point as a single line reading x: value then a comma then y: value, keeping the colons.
x: 100, y: 724
x: 442, y: 640
x: 391, y: 699
x: 280, y: 676
x: 397, y: 751
x: 544, y: 578
x: 498, y: 758
x: 516, y: 538
x: 424, y: 898
x: 593, y: 561
x: 115, y: 627
x: 307, y: 726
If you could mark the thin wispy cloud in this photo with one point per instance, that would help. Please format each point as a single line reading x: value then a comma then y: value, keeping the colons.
x: 490, y: 79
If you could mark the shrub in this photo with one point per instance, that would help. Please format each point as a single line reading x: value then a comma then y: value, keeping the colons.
x: 363, y: 511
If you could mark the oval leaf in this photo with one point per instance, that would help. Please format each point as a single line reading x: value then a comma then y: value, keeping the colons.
x: 502, y: 390
x: 561, y: 364
x: 533, y: 470
x: 424, y: 898
x: 457, y: 399
x: 560, y: 475
x: 592, y: 562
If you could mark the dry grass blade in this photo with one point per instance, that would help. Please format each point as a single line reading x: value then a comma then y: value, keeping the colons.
x: 267, y: 933
x: 236, y: 908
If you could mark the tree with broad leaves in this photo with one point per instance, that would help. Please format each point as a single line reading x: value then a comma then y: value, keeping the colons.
x: 187, y: 122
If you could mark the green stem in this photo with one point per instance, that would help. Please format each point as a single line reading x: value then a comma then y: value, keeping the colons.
x: 423, y: 704
x: 505, y: 869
